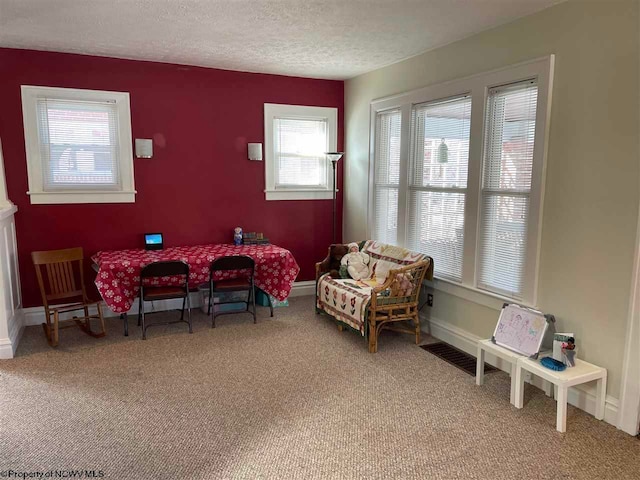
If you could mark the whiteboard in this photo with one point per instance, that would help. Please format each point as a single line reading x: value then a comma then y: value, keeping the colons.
x: 520, y: 329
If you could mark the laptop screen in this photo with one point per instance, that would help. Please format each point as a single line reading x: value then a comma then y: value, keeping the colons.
x: 153, y: 239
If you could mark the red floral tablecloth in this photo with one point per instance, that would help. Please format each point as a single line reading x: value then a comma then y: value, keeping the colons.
x: 118, y: 278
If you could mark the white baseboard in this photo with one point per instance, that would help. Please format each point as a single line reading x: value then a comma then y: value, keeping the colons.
x: 582, y: 397
x: 301, y: 289
x: 8, y: 346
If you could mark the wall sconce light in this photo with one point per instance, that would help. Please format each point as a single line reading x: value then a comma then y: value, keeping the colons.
x: 144, y: 148
x: 255, y: 151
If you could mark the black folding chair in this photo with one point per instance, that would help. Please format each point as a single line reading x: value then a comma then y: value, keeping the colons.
x: 180, y: 289
x: 242, y: 281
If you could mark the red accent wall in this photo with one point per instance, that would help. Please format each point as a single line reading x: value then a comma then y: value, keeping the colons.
x: 199, y: 184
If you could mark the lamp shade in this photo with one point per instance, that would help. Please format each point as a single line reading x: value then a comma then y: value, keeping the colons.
x: 334, y: 156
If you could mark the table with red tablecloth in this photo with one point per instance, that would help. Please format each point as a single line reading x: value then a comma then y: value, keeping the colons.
x: 118, y: 278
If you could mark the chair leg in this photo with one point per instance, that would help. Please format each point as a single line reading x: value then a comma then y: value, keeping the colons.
x: 48, y: 327
x: 144, y: 327
x: 189, y: 313
x: 212, y: 310
x: 416, y: 320
x: 125, y: 321
x: 210, y: 297
x: 140, y: 308
x: 252, y: 293
x: 270, y: 304
x: 373, y: 335
x: 87, y: 322
x: 56, y: 321
x: 184, y: 301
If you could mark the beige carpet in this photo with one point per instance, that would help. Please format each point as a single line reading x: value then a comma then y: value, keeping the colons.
x: 290, y: 397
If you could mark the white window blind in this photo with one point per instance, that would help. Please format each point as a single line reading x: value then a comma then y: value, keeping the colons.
x: 79, y: 144
x: 300, y: 146
x: 438, y: 182
x: 387, y: 176
x: 510, y: 126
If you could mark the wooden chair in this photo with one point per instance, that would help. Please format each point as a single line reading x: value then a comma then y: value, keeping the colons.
x: 64, y: 272
x: 386, y: 311
x: 149, y: 292
x: 245, y: 266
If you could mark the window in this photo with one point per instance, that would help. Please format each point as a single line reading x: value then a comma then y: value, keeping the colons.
x: 438, y: 183
x: 506, y: 187
x: 387, y: 175
x: 457, y: 173
x: 78, y: 145
x: 296, y: 139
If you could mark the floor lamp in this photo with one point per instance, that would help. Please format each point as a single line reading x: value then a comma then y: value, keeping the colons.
x: 334, y: 157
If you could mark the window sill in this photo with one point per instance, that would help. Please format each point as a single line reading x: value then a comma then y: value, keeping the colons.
x: 294, y: 194
x: 82, y: 196
x: 475, y: 295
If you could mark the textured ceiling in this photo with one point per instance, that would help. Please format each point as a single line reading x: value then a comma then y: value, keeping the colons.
x: 322, y: 39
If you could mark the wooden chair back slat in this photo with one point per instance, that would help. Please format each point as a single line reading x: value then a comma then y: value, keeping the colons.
x: 61, y: 277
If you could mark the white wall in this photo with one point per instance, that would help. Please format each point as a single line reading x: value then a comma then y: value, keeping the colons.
x: 592, y: 188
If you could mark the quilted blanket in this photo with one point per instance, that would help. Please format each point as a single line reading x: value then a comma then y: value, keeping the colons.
x: 345, y: 300
x: 386, y: 257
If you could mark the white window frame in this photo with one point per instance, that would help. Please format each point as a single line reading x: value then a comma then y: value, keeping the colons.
x: 273, y: 111
x: 125, y: 194
x: 478, y: 87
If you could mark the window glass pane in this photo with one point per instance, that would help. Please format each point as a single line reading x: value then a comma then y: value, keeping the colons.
x: 387, y: 151
x: 386, y: 215
x: 503, y: 243
x: 300, y: 146
x: 78, y: 144
x: 510, y: 133
x: 436, y: 227
x: 441, y: 143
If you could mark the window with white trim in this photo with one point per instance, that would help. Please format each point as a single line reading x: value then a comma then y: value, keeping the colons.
x: 78, y: 145
x: 457, y: 173
x: 510, y: 126
x: 387, y: 175
x: 438, y: 182
x: 296, y: 139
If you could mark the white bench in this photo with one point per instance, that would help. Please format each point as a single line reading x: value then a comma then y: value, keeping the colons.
x: 583, y: 372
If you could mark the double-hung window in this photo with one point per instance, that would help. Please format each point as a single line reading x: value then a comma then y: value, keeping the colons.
x: 457, y: 173
x: 296, y: 141
x: 438, y: 181
x: 510, y: 128
x: 78, y: 145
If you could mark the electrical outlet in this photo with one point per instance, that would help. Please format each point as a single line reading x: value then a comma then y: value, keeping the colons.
x: 430, y: 299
